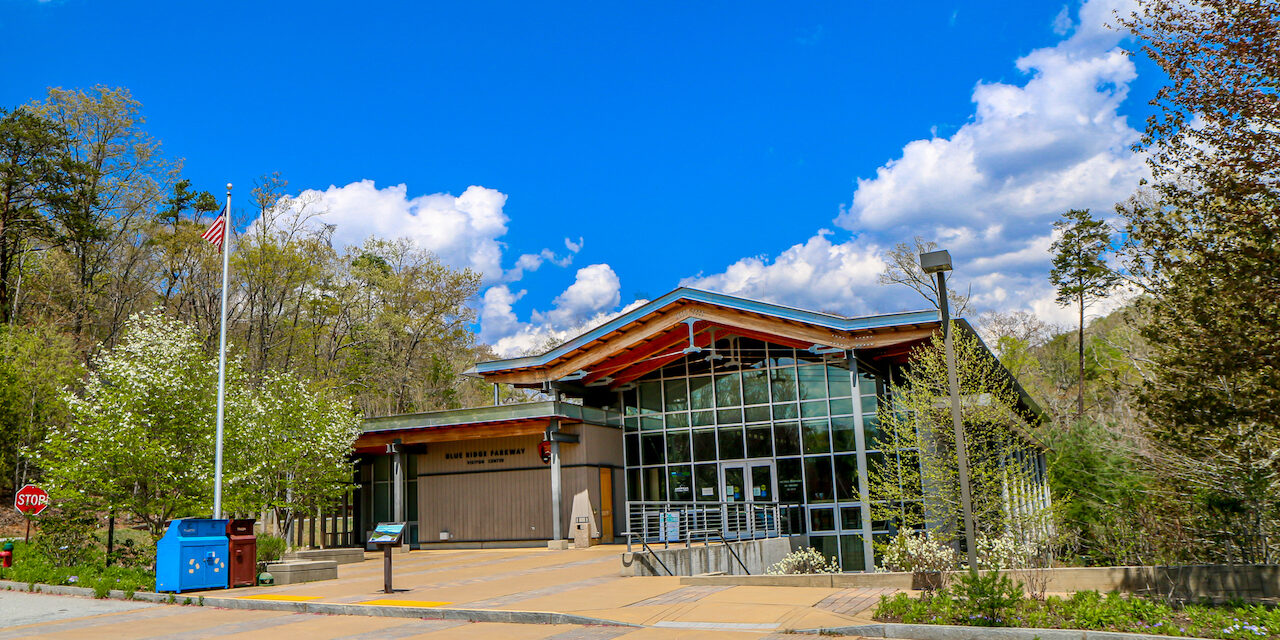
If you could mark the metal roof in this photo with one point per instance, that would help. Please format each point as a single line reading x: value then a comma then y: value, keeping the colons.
x: 686, y: 294
x: 496, y: 413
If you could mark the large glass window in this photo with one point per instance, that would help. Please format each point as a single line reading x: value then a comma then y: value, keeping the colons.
x: 813, y: 382
x: 701, y: 393
x: 790, y: 481
x: 759, y: 442
x: 677, y: 394
x: 707, y: 482
x: 728, y: 391
x: 817, y: 479
x: 731, y: 445
x: 704, y: 445
x: 817, y: 439
x: 678, y: 448
x: 681, y: 483
x: 847, y: 477
x: 755, y: 387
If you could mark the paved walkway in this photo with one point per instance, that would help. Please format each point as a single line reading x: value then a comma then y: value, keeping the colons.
x: 582, y: 582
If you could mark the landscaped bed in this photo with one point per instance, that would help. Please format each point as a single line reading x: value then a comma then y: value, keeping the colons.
x: 995, y: 601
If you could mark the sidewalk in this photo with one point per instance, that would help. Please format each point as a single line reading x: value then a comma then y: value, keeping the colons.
x: 580, y: 582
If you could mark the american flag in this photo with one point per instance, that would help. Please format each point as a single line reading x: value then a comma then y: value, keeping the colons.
x: 217, y: 232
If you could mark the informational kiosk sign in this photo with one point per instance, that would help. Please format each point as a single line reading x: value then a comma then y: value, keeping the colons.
x: 387, y: 535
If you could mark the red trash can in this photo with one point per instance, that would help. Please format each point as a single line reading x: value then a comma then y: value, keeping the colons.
x: 243, y: 556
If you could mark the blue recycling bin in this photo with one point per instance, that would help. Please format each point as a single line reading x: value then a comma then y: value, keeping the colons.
x: 192, y: 555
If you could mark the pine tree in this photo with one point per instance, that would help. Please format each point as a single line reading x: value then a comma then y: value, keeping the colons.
x: 1080, y: 270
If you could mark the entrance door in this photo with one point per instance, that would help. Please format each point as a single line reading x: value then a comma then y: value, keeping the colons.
x: 606, y: 505
x: 743, y: 484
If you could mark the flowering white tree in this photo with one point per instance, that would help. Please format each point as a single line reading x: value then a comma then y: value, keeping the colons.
x: 292, y: 453
x: 140, y: 440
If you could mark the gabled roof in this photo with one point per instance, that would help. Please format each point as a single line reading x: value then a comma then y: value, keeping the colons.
x: 644, y: 332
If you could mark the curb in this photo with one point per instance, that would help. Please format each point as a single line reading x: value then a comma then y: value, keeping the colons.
x: 329, y: 608
x: 951, y: 632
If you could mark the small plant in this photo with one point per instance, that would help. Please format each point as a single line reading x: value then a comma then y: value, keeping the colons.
x: 990, y: 598
x: 804, y: 561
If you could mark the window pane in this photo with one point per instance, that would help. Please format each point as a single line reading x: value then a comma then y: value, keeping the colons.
x: 817, y: 479
x: 786, y: 438
x: 633, y: 449
x: 782, y: 382
x: 759, y: 442
x: 866, y: 382
x: 827, y: 545
x: 847, y: 477
x: 838, y: 383
x: 631, y: 407
x: 755, y: 387
x: 786, y: 411
x: 843, y: 406
x: 728, y: 391
x: 655, y: 484
x: 813, y: 382
x: 822, y: 520
x: 650, y: 423
x: 757, y: 414
x: 704, y: 445
x: 852, y: 553
x: 382, y: 468
x: 781, y: 354
x: 633, y: 484
x: 871, y: 433
x: 868, y: 404
x: 633, y: 424
x: 653, y: 448
x: 790, y: 485
x: 729, y: 416
x: 815, y: 436
x: 844, y: 434
x: 678, y: 446
x: 650, y: 397
x: 703, y: 418
x: 674, y: 370
x: 701, y: 395
x: 677, y: 398
x: 707, y: 483
x: 877, y: 473
x: 731, y: 443
x: 677, y: 420
x: 681, y: 482
x: 817, y: 409
x: 851, y: 518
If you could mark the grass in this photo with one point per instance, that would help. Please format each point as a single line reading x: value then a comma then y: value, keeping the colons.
x: 1085, y: 610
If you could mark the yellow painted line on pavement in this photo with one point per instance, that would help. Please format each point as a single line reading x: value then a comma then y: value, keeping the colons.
x: 274, y: 596
x: 404, y: 603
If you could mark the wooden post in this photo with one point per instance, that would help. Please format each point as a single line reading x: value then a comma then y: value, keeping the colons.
x: 311, y: 529
x: 324, y: 535
x: 386, y: 568
x: 111, y: 535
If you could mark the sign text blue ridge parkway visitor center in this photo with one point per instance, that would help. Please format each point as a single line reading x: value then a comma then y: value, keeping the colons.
x: 694, y: 400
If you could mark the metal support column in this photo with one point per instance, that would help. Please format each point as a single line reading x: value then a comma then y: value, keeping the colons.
x: 556, y: 533
x: 397, y: 481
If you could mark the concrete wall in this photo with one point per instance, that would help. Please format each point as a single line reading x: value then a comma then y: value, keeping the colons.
x: 1185, y: 582
x: 757, y: 555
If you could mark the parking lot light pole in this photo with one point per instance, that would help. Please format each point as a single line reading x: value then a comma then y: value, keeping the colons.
x: 939, y: 263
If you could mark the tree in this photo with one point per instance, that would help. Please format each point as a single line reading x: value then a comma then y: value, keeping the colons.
x: 902, y: 267
x: 36, y: 365
x: 140, y: 440
x: 36, y: 177
x: 1080, y: 271
x: 914, y: 480
x: 292, y: 452
x: 1202, y: 244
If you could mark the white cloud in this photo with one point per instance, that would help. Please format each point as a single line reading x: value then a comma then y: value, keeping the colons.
x: 989, y: 193
x: 595, y: 290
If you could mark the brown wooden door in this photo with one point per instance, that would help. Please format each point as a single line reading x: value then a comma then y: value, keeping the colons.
x: 606, y: 505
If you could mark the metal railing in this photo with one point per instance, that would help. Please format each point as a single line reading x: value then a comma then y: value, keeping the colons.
x: 689, y: 522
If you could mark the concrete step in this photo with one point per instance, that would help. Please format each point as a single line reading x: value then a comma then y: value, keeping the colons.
x: 303, y: 571
x: 341, y: 556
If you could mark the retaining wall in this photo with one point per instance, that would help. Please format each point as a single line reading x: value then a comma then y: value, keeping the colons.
x: 1181, y: 582
x: 757, y: 555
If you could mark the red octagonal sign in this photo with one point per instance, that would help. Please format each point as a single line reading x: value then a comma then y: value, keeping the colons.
x: 31, y: 500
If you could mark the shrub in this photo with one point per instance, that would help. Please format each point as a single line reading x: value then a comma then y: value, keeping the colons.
x: 66, y: 536
x: 270, y: 548
x: 917, y: 553
x: 1004, y: 552
x: 804, y: 561
x: 988, y: 599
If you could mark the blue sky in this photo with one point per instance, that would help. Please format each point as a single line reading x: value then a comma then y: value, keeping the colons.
x: 755, y: 148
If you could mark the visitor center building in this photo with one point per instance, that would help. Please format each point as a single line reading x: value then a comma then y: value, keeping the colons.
x: 696, y: 402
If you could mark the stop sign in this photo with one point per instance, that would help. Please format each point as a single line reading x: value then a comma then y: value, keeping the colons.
x: 31, y: 500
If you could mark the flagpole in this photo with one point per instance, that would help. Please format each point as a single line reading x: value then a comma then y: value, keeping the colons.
x: 222, y: 360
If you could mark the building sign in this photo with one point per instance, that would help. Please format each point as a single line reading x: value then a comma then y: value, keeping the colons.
x: 485, y: 455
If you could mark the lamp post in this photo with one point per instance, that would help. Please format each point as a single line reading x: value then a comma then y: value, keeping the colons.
x: 939, y: 263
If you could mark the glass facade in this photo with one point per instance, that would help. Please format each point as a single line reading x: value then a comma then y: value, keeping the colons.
x: 756, y: 421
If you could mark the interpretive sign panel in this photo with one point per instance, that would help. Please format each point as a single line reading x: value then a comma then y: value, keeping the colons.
x: 387, y: 533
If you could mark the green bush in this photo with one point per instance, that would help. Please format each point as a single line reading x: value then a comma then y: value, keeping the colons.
x: 804, y: 561
x: 1082, y: 610
x: 988, y: 599
x: 32, y: 565
x: 270, y: 548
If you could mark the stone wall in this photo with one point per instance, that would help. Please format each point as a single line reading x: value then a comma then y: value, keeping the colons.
x: 1181, y: 582
x: 757, y: 555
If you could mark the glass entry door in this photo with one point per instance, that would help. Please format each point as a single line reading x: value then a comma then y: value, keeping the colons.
x: 742, y: 484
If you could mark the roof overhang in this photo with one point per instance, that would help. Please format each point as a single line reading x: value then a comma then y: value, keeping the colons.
x: 498, y: 421
x: 658, y: 332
